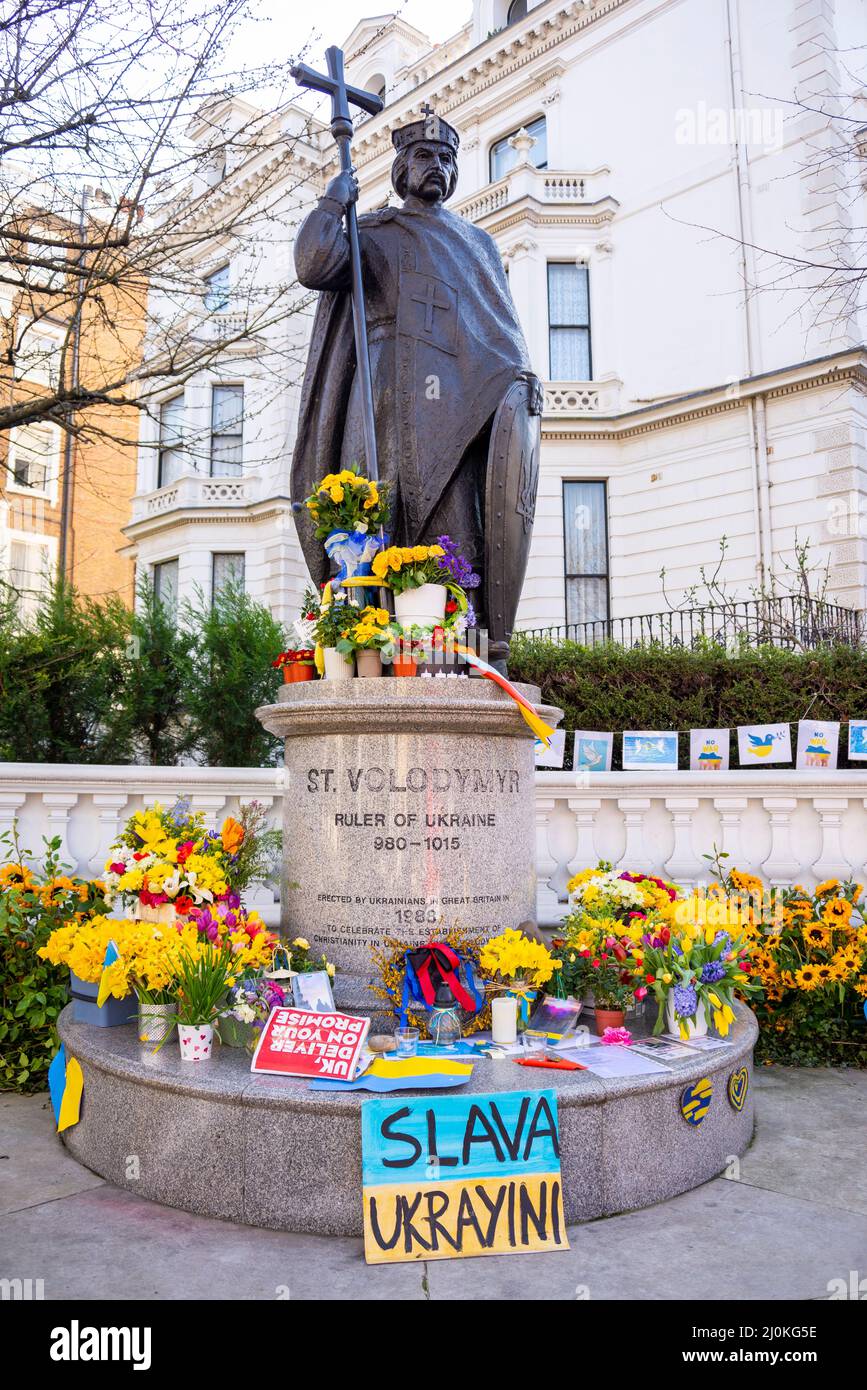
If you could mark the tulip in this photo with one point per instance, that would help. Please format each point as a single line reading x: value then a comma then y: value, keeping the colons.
x: 641, y: 992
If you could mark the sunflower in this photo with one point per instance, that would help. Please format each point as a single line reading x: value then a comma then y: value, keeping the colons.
x: 56, y: 889
x: 806, y: 978
x: 837, y: 912
x: 849, y: 960
x: 825, y: 974
x: 15, y: 876
x: 817, y: 937
x: 831, y: 885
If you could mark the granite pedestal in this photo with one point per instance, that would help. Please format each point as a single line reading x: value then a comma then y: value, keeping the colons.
x: 408, y: 810
x: 211, y: 1138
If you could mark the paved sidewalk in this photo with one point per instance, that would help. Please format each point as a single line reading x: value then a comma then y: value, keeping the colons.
x: 794, y: 1220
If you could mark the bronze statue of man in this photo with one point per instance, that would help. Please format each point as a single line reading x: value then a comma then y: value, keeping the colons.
x: 456, y: 404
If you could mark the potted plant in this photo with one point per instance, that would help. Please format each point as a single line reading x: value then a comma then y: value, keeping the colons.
x: 204, y: 975
x: 297, y: 664
x: 611, y: 986
x: 332, y: 626
x: 249, y: 1006
x: 405, y: 656
x: 520, y: 967
x: 367, y: 639
x: 348, y: 512
x: 419, y: 583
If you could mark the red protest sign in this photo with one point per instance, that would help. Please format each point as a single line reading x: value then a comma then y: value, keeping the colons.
x: 298, y: 1042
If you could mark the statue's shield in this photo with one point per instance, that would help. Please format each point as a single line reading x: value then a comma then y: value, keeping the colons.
x: 510, y: 503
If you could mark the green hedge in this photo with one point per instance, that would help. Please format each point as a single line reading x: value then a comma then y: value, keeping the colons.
x: 615, y: 688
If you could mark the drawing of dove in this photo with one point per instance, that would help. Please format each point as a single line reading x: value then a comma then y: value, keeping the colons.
x: 761, y: 747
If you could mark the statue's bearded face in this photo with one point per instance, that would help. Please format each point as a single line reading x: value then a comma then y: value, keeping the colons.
x: 431, y: 171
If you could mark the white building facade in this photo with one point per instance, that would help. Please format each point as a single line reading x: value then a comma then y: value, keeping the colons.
x: 676, y: 188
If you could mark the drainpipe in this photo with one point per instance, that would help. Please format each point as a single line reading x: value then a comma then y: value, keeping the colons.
x: 65, y: 556
x: 756, y: 406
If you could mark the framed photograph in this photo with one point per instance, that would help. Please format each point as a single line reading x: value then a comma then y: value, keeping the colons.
x: 592, y: 751
x: 649, y: 751
x: 311, y: 989
x: 760, y: 744
x: 709, y: 750
x: 818, y: 742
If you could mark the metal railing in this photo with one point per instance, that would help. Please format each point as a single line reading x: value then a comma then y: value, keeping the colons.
x: 797, y: 624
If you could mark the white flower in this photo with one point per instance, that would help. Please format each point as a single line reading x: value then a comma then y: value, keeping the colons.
x: 244, y: 1014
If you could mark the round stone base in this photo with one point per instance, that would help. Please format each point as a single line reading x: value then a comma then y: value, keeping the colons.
x: 213, y: 1139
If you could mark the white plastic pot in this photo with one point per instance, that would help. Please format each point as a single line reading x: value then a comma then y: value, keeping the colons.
x: 696, y: 1027
x: 337, y: 666
x: 196, y: 1040
x: 421, y: 607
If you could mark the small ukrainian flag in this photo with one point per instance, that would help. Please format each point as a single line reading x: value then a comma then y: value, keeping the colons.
x: 111, y: 955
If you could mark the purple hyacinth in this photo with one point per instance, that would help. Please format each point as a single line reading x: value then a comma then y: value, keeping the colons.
x: 685, y: 1000
x: 456, y: 565
x: 711, y: 972
x: 470, y: 616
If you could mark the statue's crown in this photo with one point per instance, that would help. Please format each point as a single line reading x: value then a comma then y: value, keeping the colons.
x: 432, y: 127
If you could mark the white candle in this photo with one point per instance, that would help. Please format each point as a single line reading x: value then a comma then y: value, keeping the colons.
x: 504, y: 1019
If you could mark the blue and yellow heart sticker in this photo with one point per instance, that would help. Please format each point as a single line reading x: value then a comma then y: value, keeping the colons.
x: 695, y: 1101
x: 739, y: 1084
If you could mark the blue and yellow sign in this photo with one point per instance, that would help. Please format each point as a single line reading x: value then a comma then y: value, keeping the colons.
x: 695, y: 1101
x: 449, y: 1176
x: 739, y: 1085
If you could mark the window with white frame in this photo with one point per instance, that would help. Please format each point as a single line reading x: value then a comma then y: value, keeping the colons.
x: 171, y: 447
x: 569, y: 322
x: 217, y: 290
x: 227, y: 567
x: 34, y: 458
x: 38, y: 356
x: 504, y: 157
x: 165, y: 581
x: 31, y: 566
x: 585, y: 551
x: 227, y: 431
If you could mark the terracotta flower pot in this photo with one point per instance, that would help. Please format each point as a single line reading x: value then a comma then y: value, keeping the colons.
x: 608, y: 1018
x: 298, y: 671
x: 406, y: 667
x: 368, y: 663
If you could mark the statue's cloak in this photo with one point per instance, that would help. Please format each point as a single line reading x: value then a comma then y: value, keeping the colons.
x: 445, y: 345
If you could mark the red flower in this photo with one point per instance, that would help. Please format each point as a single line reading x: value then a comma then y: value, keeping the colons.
x: 185, y: 850
x: 183, y: 905
x: 651, y: 979
x: 142, y: 854
x: 595, y: 964
x: 641, y: 992
x: 665, y: 936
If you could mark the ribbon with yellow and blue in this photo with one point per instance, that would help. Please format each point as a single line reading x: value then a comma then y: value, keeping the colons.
x: 65, y: 1086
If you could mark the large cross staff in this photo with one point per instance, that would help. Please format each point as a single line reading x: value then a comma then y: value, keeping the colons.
x: 334, y: 85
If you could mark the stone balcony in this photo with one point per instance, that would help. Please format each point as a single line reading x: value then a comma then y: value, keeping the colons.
x: 193, y: 492
x: 568, y: 399
x: 540, y: 192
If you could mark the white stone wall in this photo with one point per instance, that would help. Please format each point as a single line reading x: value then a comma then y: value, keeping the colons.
x: 787, y: 826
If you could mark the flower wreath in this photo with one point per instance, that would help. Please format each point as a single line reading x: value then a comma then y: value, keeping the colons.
x: 390, y: 962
